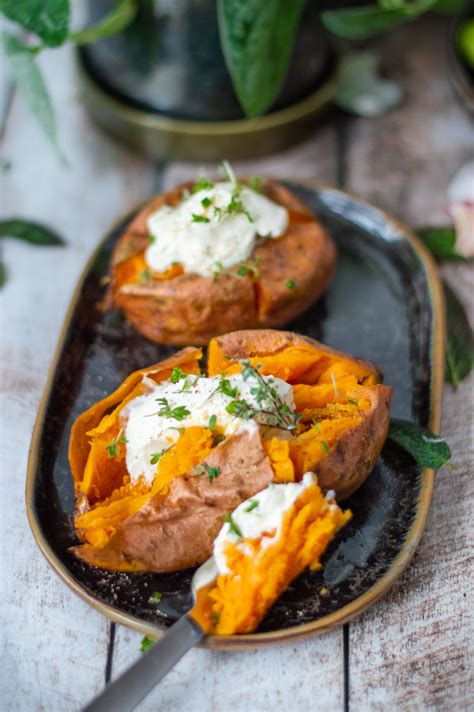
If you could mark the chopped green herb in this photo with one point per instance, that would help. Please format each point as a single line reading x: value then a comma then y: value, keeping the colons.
x: 326, y: 447
x: 290, y: 284
x: 269, y: 401
x: 112, y: 447
x: 236, y: 206
x: 155, y: 597
x: 151, y: 239
x: 352, y: 401
x: 249, y: 268
x: 146, y: 644
x: 211, y: 472
x: 189, y: 383
x: 253, y: 504
x: 156, y: 456
x: 241, y: 409
x: 200, y: 218
x: 256, y: 183
x: 226, y: 389
x: 215, y: 617
x: 212, y: 422
x: 202, y: 184
x: 177, y: 375
x: 205, y: 202
x: 178, y: 413
x: 218, y: 438
x: 145, y: 275
x: 218, y: 269
x: 316, y: 426
x: 232, y: 525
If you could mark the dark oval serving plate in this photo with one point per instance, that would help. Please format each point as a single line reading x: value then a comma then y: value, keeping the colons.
x: 385, y: 305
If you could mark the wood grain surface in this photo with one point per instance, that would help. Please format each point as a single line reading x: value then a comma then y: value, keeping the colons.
x: 413, y: 649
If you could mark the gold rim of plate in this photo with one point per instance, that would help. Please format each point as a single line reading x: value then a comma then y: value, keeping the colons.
x: 164, y: 137
x: 350, y: 610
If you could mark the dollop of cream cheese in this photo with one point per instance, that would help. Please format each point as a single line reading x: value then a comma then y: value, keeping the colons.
x: 148, y: 433
x: 264, y: 512
x: 204, y: 237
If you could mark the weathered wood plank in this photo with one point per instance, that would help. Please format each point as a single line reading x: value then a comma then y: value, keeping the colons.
x: 304, y: 676
x: 54, y: 645
x: 411, y: 651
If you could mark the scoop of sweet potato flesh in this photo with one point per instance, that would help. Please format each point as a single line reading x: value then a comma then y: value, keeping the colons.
x: 236, y: 602
x: 135, y: 270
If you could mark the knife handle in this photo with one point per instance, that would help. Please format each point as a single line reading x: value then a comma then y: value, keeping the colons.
x: 124, y: 694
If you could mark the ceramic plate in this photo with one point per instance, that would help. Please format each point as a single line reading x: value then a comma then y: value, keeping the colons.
x: 384, y: 305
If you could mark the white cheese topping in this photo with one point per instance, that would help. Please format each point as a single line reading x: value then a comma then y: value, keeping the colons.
x: 148, y: 433
x: 218, y: 239
x: 264, y: 512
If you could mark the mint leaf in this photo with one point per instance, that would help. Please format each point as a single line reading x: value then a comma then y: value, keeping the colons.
x: 441, y: 242
x: 360, y: 22
x: 257, y: 40
x: 146, y: 644
x: 31, y: 232
x: 115, y: 21
x: 459, y: 339
x: 49, y: 20
x: 428, y: 449
x: 31, y: 84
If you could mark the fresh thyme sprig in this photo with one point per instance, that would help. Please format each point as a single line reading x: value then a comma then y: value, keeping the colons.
x: 112, y: 447
x: 156, y: 456
x: 211, y: 472
x: 178, y: 413
x: 265, y: 394
x: 177, y: 375
x: 234, y: 528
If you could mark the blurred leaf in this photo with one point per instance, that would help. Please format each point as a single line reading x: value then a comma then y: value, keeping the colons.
x: 428, y: 449
x: 465, y: 42
x: 459, y: 339
x: 3, y: 273
x: 31, y: 84
x: 49, y: 19
x: 361, y: 90
x: 257, y: 39
x: 115, y: 21
x: 361, y: 22
x: 451, y: 7
x: 441, y: 242
x: 31, y: 232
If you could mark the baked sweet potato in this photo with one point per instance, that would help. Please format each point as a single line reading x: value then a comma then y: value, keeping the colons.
x: 287, y: 275
x: 277, y: 405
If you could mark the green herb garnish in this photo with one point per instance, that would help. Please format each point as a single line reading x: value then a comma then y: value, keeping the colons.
x: 178, y: 413
x: 145, y: 275
x: 211, y: 472
x: 290, y: 284
x: 155, y: 597
x: 215, y: 617
x: 256, y: 183
x: 212, y: 425
x: 156, y: 456
x: 249, y: 268
x: 428, y: 449
x: 226, y: 389
x: 202, y: 184
x: 112, y: 447
x: 205, y: 202
x: 352, y: 401
x: 146, y: 644
x: 241, y: 409
x: 200, y: 218
x: 177, y: 375
x: 326, y: 447
x: 232, y: 525
x: 269, y: 401
x: 253, y: 504
x: 151, y: 239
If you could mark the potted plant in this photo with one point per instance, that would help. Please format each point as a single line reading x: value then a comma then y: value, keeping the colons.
x: 200, y: 78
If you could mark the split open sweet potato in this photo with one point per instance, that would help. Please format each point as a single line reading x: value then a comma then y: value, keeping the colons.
x: 340, y: 421
x: 179, y: 308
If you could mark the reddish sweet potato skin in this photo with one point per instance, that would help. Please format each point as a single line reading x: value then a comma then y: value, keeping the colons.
x: 346, y: 468
x: 178, y: 532
x: 191, y: 309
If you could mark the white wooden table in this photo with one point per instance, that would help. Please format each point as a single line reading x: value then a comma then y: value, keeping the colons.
x: 411, y: 650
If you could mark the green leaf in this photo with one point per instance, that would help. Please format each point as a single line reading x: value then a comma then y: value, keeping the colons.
x: 361, y: 91
x: 146, y: 644
x: 465, y: 42
x: 428, y: 449
x: 31, y: 83
x: 49, y: 19
x: 360, y: 22
x: 459, y: 339
x: 257, y: 40
x: 115, y: 21
x: 451, y: 7
x: 31, y: 232
x: 441, y: 242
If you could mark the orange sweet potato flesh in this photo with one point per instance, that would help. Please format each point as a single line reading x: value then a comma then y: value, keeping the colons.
x: 171, y: 524
x: 179, y: 308
x: 237, y: 601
